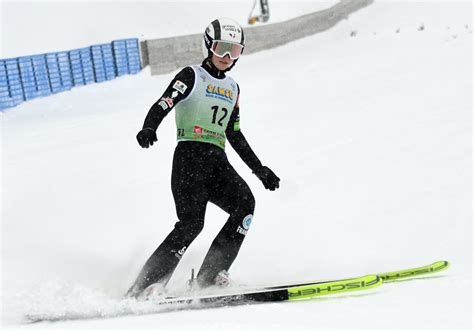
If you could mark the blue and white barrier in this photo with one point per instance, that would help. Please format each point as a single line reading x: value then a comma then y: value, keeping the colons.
x: 28, y: 77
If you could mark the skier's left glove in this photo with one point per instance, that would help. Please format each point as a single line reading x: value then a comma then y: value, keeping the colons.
x: 268, y: 178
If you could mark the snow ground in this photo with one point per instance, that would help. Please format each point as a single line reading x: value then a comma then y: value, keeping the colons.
x: 371, y: 135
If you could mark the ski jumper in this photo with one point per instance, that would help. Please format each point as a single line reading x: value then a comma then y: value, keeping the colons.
x: 207, y: 115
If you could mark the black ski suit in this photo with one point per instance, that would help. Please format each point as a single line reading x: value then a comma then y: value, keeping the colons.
x: 202, y: 173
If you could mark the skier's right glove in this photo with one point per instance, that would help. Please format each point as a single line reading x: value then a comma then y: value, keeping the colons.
x: 146, y: 137
x: 268, y: 178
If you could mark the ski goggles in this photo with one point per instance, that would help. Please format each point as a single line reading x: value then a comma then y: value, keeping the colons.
x: 221, y: 48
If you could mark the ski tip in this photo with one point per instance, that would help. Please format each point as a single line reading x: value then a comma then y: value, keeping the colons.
x: 438, y: 266
x: 443, y: 264
x: 420, y: 271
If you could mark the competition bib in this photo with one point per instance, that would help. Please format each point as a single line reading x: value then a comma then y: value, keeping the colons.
x: 204, y: 114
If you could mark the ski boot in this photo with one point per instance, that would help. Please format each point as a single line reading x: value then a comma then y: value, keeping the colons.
x: 222, y: 280
x: 153, y: 292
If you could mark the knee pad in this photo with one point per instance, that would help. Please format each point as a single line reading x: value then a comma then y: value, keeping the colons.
x: 244, y: 226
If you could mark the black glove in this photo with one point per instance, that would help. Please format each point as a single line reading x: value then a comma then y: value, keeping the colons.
x: 146, y: 137
x: 268, y: 178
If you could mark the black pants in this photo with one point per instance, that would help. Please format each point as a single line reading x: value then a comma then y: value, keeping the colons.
x: 201, y: 173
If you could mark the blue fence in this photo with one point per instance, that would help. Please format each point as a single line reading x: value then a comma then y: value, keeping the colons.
x: 30, y: 77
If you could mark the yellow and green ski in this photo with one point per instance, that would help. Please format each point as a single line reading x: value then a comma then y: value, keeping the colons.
x: 309, y: 290
x: 292, y: 292
x: 390, y: 276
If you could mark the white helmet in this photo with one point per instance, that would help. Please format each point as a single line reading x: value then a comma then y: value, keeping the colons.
x: 226, y: 30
